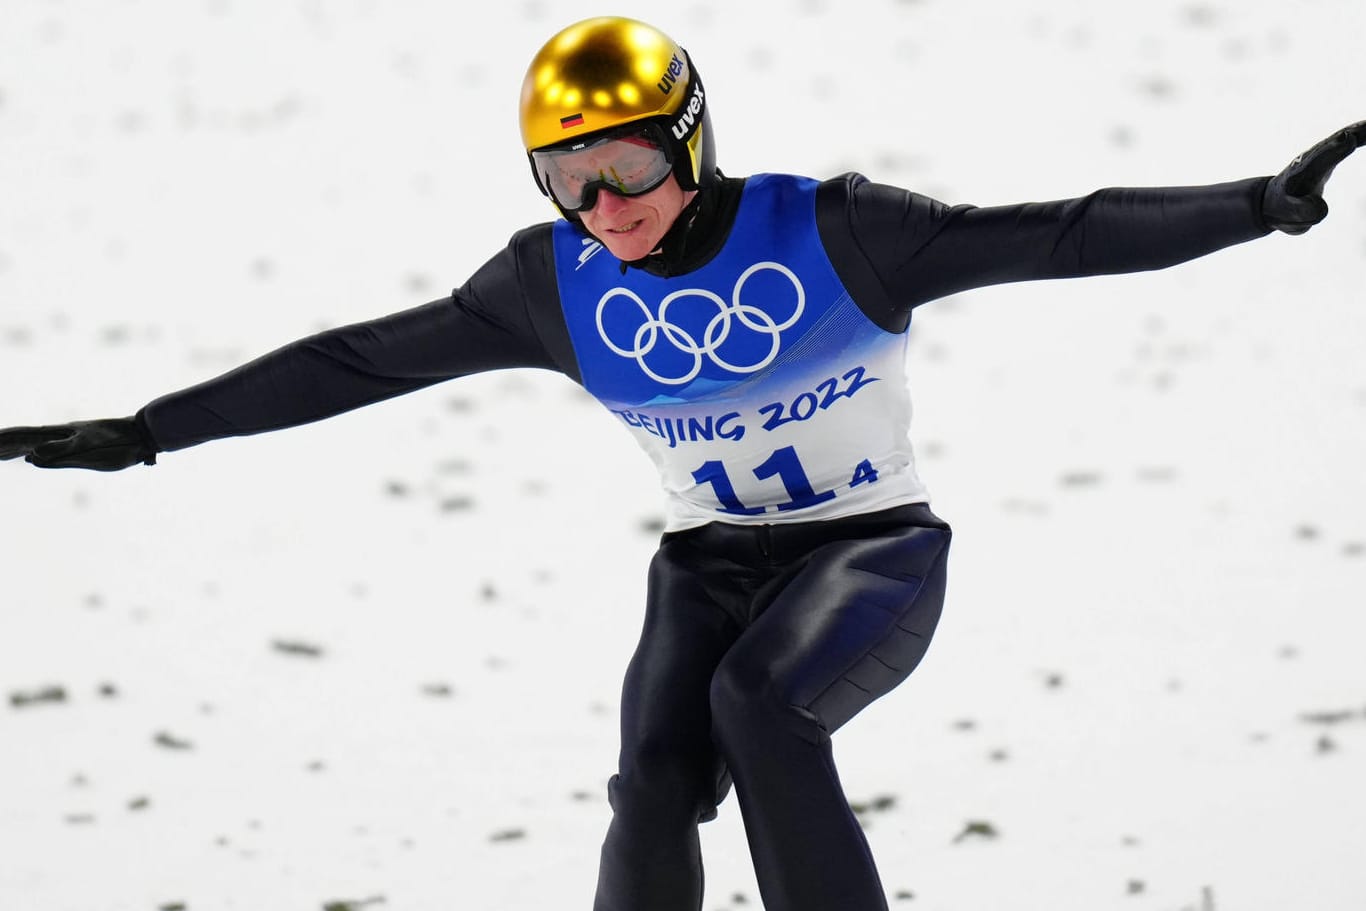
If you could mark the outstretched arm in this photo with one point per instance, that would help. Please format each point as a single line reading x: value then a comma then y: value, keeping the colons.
x: 313, y: 378
x: 486, y: 325
x: 339, y: 370
x: 908, y: 248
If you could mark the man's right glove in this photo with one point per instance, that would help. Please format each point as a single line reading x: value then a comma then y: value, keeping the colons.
x: 105, y: 445
x: 1293, y: 201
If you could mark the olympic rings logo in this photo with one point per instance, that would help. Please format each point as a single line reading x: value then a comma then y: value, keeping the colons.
x: 654, y: 328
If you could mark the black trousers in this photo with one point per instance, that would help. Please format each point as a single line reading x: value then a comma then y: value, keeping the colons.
x: 759, y: 642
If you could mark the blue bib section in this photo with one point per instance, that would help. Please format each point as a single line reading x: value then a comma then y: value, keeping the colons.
x: 643, y: 340
x: 755, y: 383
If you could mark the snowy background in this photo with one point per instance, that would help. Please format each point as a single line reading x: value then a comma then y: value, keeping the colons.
x: 374, y: 662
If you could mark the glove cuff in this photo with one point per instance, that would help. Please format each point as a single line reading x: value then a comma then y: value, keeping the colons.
x: 145, y: 432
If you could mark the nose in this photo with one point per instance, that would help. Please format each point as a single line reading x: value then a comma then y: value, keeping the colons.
x: 608, y: 202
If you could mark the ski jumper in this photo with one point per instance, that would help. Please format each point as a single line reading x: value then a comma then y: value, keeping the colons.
x: 801, y: 572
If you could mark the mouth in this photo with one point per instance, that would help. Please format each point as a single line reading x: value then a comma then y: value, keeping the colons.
x: 626, y: 229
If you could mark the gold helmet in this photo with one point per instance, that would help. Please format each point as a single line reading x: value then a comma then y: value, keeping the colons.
x: 605, y: 73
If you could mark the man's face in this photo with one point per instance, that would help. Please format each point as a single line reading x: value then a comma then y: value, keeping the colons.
x: 631, y: 227
x: 627, y: 176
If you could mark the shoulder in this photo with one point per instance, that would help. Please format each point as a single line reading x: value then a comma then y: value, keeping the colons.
x: 524, y: 267
x: 870, y: 231
x: 534, y: 243
x: 856, y: 201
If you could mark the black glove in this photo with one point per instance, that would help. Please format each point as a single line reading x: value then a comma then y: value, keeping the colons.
x: 1293, y: 201
x: 106, y: 445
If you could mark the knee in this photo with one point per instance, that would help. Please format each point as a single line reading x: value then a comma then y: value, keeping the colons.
x: 658, y: 785
x: 751, y: 709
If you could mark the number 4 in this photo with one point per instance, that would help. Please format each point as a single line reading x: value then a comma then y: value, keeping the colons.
x: 865, y: 473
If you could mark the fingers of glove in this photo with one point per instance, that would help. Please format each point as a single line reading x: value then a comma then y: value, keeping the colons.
x: 84, y: 460
x: 103, y: 445
x: 1308, y: 173
x: 64, y: 454
x: 46, y: 455
x: 1305, y: 212
x: 20, y: 441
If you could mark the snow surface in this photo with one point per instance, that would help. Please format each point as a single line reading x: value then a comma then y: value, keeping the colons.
x: 374, y: 662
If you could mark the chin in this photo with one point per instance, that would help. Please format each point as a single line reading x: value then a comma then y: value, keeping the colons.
x: 629, y: 249
x: 633, y: 246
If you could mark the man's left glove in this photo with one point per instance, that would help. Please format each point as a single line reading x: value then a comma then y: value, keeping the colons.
x: 105, y: 445
x: 1293, y: 201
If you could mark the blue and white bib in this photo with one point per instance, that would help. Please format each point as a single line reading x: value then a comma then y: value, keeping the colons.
x: 755, y: 383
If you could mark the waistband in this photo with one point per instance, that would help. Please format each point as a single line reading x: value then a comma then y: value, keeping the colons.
x: 780, y: 542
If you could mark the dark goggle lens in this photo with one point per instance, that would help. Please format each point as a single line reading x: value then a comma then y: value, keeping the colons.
x: 627, y: 163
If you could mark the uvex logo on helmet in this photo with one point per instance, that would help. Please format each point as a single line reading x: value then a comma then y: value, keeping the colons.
x: 666, y: 85
x: 687, y: 121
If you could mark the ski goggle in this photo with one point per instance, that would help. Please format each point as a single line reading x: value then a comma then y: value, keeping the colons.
x: 629, y: 161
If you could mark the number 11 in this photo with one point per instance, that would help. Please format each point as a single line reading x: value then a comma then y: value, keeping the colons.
x: 784, y: 464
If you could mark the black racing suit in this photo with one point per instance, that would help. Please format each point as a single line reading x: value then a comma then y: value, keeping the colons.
x: 759, y: 640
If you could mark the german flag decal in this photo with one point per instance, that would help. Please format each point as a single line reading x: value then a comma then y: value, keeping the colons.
x: 573, y: 120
